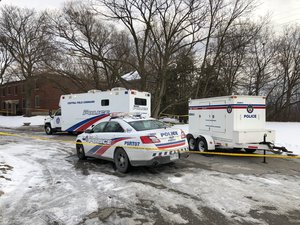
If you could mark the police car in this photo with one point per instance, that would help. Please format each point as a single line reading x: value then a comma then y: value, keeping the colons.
x: 132, y: 141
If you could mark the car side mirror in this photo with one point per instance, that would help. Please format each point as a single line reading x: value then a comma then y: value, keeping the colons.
x: 89, y: 131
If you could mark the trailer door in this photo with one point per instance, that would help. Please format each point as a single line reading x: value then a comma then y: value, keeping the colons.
x: 218, y: 116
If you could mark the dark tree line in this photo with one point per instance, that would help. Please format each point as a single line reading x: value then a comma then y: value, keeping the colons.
x: 181, y: 49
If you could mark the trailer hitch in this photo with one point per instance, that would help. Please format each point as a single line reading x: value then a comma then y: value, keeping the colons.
x: 275, y: 149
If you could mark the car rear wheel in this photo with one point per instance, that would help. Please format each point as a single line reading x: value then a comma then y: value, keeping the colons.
x: 201, y: 144
x: 80, y: 151
x: 121, y: 160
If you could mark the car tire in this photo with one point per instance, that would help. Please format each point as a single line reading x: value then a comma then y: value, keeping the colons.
x: 192, y: 142
x: 121, y: 160
x: 201, y: 144
x: 48, y: 129
x: 250, y: 150
x: 80, y: 151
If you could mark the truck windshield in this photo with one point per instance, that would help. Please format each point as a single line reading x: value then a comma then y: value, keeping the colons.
x: 147, y: 125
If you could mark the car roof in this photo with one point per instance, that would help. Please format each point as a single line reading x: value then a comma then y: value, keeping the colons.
x: 131, y: 119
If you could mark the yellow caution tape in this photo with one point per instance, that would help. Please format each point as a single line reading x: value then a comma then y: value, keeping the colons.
x: 156, y: 149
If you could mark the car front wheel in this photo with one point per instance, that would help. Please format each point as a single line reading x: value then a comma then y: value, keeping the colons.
x: 80, y: 151
x: 121, y: 160
x: 48, y: 129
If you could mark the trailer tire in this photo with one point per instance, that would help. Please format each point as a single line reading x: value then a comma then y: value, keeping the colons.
x: 121, y: 160
x: 250, y: 150
x: 48, y: 129
x: 80, y: 151
x: 201, y: 144
x: 192, y: 142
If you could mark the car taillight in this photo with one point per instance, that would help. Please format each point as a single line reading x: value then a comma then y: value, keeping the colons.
x: 149, y: 139
x: 182, y: 134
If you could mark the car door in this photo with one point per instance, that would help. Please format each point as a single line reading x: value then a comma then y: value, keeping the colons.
x: 104, y: 136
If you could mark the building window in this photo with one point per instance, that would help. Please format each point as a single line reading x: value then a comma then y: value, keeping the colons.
x: 3, y: 105
x: 23, y: 88
x: 8, y: 90
x: 36, y: 85
x: 4, y: 91
x: 16, y: 90
x: 23, y: 103
x: 105, y: 102
x: 37, y: 101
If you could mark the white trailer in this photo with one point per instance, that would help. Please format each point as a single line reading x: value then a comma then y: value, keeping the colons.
x: 79, y: 111
x: 230, y: 122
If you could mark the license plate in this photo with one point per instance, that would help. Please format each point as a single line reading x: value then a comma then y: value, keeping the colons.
x: 174, y: 156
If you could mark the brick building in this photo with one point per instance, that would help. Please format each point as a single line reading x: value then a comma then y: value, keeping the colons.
x: 45, y: 96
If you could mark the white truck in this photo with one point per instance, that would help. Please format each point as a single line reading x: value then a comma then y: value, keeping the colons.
x: 230, y: 122
x: 78, y: 112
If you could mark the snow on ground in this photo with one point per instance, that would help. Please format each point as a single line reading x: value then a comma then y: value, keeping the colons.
x: 50, y: 186
x: 287, y: 135
x: 18, y: 121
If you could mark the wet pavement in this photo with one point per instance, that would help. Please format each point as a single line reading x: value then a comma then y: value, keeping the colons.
x: 60, y: 189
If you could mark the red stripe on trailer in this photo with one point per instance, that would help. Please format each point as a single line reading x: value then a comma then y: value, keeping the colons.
x: 253, y: 147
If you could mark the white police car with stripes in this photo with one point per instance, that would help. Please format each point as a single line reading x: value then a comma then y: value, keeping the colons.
x: 132, y: 141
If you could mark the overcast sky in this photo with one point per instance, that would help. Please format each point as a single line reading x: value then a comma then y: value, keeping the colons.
x: 283, y: 12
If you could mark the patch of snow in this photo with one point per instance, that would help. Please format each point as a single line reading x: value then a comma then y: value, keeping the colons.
x: 134, y: 75
x: 18, y: 121
x: 287, y: 135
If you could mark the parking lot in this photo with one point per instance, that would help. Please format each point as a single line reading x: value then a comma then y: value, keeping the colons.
x: 43, y: 182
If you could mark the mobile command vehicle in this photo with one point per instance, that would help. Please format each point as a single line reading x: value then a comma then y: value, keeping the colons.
x: 132, y: 141
x: 79, y: 111
x: 230, y: 122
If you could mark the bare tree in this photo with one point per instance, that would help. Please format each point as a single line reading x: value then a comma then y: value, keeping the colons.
x: 96, y: 46
x: 5, y: 61
x: 225, y: 16
x: 284, y: 94
x: 159, y: 29
x: 26, y: 36
x: 259, y: 68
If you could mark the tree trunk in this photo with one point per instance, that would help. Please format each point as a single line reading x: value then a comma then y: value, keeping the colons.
x: 29, y: 88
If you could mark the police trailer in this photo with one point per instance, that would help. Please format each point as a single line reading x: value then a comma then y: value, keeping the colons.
x: 79, y: 111
x: 230, y: 122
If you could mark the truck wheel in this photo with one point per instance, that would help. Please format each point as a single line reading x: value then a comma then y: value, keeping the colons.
x: 250, y: 150
x: 121, y: 160
x: 201, y: 144
x: 48, y: 129
x: 192, y: 142
x: 80, y: 151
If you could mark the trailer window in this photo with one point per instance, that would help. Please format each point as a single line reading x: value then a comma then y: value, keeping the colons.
x: 140, y: 101
x: 105, y: 102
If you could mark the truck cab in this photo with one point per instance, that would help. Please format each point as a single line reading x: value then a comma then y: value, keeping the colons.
x: 52, y: 122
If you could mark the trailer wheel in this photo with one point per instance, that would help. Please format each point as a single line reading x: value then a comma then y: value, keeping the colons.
x: 80, y: 151
x: 201, y: 144
x: 250, y: 150
x: 121, y: 160
x: 48, y: 129
x: 192, y: 142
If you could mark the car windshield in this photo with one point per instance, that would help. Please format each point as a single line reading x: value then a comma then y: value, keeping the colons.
x: 147, y: 125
